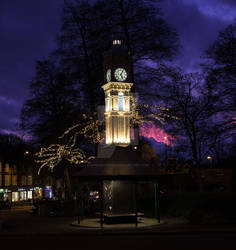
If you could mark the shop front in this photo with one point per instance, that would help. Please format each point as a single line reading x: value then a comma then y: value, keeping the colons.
x: 48, y: 192
x: 15, y: 196
x: 21, y: 194
x: 5, y: 194
x: 36, y: 193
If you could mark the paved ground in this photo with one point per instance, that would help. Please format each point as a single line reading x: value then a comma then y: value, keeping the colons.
x: 24, y: 231
x: 18, y: 220
x: 121, y: 242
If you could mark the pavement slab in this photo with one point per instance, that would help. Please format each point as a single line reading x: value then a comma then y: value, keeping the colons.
x: 20, y: 221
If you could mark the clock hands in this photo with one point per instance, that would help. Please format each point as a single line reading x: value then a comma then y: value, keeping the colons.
x: 123, y: 74
x: 120, y: 74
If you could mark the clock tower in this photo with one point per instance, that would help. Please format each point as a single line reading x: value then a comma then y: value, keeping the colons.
x: 117, y: 86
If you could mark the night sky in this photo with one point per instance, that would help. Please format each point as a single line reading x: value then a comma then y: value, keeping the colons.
x: 28, y: 32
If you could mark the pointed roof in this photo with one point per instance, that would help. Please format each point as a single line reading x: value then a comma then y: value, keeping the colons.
x: 121, y: 155
x: 124, y: 163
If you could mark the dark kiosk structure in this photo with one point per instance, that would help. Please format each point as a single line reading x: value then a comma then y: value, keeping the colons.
x: 128, y: 186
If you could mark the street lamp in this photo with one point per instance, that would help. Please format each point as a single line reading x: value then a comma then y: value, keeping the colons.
x: 26, y: 153
x: 210, y: 159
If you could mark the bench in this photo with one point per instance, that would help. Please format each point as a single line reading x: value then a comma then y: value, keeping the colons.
x: 121, y: 218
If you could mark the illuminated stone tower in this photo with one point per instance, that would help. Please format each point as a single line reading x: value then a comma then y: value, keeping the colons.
x: 117, y: 75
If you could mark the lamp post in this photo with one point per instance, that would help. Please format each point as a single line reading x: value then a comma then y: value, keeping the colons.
x: 211, y: 160
x: 165, y: 141
x: 26, y: 153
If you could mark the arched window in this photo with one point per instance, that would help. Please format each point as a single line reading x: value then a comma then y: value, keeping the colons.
x: 121, y: 101
x: 116, y: 42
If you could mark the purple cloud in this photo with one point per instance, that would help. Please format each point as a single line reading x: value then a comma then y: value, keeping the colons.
x: 198, y: 23
x: 28, y: 32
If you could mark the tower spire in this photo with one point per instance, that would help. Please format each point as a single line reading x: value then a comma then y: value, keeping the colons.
x: 116, y: 38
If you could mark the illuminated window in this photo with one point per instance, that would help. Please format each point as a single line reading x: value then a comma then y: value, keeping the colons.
x: 115, y: 42
x: 108, y: 102
x: 29, y: 195
x: 120, y: 101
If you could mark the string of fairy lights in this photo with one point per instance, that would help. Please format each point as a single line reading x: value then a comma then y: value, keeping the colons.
x: 55, y: 153
x: 159, y: 116
x: 89, y: 129
x: 52, y: 155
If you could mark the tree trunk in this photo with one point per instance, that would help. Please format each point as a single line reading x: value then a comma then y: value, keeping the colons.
x: 67, y: 181
x: 3, y: 174
x: 196, y: 170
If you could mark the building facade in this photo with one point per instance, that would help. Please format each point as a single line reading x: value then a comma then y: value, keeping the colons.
x: 21, y: 183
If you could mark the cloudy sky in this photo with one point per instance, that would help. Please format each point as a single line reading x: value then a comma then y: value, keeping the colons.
x: 28, y: 31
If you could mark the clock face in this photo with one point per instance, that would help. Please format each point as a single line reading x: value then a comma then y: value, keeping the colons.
x: 120, y: 74
x: 108, y: 75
